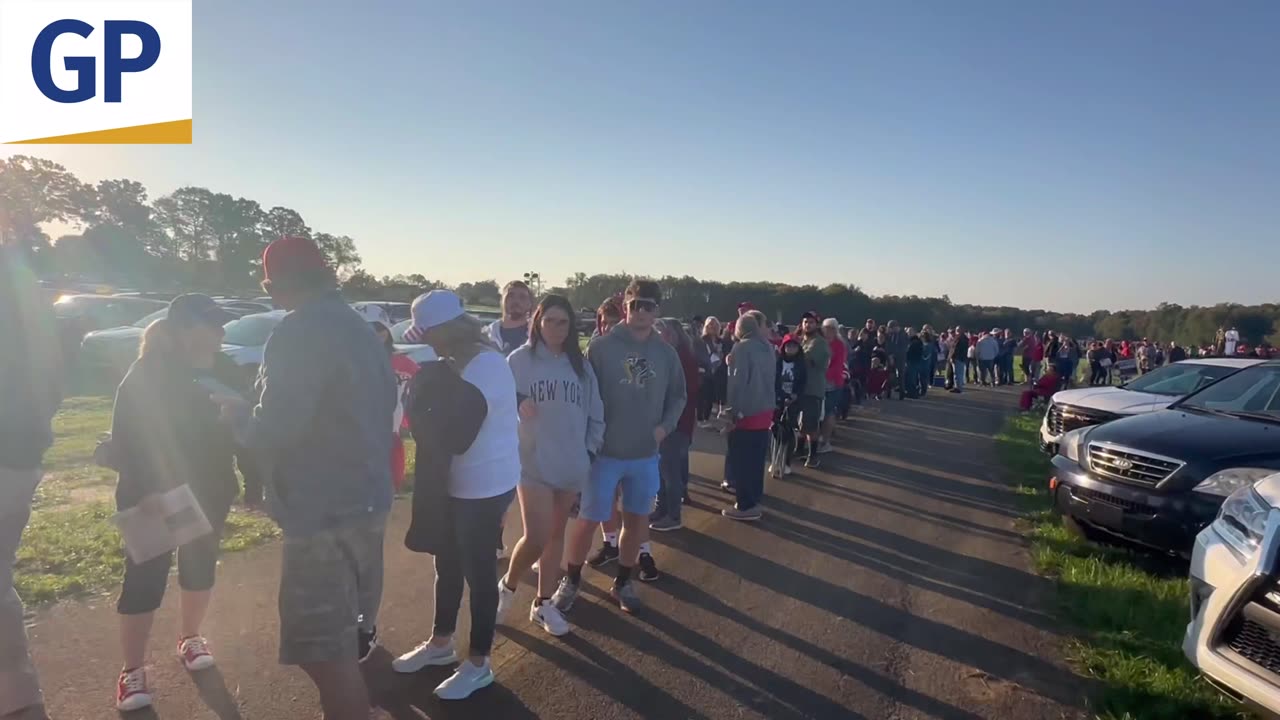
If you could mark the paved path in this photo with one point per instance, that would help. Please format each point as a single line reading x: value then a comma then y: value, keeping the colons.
x: 889, y: 585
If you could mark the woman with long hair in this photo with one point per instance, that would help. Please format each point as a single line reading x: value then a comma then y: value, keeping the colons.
x: 673, y: 453
x: 709, y: 395
x: 561, y: 429
x: 165, y: 433
x: 463, y: 417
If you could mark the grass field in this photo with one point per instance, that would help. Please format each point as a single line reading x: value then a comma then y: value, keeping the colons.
x: 71, y: 547
x: 1128, y: 611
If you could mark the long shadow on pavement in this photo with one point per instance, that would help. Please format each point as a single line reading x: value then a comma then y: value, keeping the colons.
x: 995, y: 659
x: 411, y: 697
x: 212, y: 689
x: 772, y: 695
x: 690, y: 594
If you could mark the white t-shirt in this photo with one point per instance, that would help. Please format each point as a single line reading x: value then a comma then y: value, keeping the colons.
x: 491, y: 466
x: 1233, y: 339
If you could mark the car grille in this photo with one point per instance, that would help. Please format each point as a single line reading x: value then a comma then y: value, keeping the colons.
x: 1254, y: 642
x: 1109, y: 499
x: 1064, y: 418
x: 1129, y: 465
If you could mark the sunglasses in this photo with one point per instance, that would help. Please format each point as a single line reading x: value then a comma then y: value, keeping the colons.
x: 642, y: 304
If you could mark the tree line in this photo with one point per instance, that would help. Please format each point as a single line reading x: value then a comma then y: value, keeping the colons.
x: 195, y: 238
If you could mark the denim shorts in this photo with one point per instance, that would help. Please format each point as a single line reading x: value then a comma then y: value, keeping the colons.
x: 640, y: 482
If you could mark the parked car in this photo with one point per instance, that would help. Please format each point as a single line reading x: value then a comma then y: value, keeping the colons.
x: 1082, y: 407
x: 108, y: 353
x: 1235, y: 599
x: 78, y: 315
x: 397, y: 311
x: 1158, y: 479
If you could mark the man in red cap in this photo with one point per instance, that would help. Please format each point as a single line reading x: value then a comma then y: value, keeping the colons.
x: 327, y: 398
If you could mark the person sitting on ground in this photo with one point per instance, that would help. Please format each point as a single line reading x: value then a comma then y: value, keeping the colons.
x: 1044, y: 388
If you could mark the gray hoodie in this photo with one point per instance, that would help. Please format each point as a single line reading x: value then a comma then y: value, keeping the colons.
x: 554, y: 445
x: 752, y: 374
x: 642, y: 386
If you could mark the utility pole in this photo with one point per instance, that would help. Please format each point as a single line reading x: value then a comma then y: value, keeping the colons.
x: 534, y: 281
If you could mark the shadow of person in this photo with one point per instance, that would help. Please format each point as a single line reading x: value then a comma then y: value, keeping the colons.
x: 212, y: 688
x: 412, y: 697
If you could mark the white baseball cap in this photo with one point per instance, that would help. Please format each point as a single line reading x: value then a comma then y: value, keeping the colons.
x: 374, y: 313
x: 831, y: 322
x: 436, y: 308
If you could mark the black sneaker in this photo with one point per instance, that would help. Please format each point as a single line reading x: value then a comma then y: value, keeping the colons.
x: 607, y: 553
x: 367, y: 642
x: 648, y: 568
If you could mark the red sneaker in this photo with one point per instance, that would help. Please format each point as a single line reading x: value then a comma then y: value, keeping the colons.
x: 194, y: 652
x: 131, y: 690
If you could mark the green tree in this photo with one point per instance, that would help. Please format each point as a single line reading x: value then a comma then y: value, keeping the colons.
x: 34, y: 192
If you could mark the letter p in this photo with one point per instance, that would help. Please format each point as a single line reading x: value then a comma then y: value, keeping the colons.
x: 114, y: 66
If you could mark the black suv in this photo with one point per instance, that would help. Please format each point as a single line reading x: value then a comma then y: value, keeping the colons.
x: 1158, y: 479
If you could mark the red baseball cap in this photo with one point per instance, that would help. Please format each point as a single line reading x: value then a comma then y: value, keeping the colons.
x: 291, y: 255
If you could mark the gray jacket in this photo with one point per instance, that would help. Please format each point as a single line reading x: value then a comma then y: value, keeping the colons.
x: 555, y: 445
x: 30, y: 365
x: 753, y: 372
x: 323, y: 422
x: 642, y: 387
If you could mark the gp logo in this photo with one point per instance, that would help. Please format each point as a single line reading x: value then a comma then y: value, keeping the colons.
x: 95, y: 71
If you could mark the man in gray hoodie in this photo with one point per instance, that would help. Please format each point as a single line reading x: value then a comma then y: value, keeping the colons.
x: 752, y: 396
x: 30, y: 393
x: 643, y: 390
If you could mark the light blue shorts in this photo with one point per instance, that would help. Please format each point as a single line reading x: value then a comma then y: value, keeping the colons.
x: 640, y: 482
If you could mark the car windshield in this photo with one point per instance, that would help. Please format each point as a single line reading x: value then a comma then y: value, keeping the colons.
x: 1251, y: 393
x: 1179, y: 379
x: 251, y: 330
x: 144, y: 322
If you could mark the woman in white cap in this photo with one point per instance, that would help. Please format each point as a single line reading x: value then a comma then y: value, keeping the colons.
x: 472, y: 483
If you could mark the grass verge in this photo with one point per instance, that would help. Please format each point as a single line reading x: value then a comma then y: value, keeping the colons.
x: 1129, y: 613
x: 73, y: 551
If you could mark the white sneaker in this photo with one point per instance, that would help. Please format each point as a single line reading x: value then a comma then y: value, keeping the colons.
x: 549, y: 618
x: 131, y: 690
x: 786, y: 470
x: 506, y: 597
x: 465, y: 680
x: 773, y: 471
x: 425, y: 655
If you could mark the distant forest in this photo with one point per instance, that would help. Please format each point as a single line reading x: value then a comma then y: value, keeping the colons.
x: 195, y: 238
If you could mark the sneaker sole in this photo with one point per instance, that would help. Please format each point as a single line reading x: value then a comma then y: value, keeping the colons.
x: 133, y: 703
x: 479, y: 686
x: 409, y: 669
x: 666, y: 528
x: 602, y: 563
x: 203, y: 663
x: 745, y: 518
x: 536, y: 621
x: 648, y: 579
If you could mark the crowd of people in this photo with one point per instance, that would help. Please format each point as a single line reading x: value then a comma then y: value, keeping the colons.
x: 584, y: 440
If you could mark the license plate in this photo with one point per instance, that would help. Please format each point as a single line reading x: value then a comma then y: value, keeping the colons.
x: 1106, y: 515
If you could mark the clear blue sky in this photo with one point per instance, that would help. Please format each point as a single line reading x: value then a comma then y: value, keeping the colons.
x: 1068, y: 155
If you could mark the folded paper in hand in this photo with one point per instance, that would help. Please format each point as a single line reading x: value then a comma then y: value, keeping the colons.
x: 150, y: 535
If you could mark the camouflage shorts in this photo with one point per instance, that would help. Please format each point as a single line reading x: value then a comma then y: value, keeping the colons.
x: 329, y: 583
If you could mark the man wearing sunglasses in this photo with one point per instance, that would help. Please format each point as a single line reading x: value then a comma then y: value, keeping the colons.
x: 643, y: 389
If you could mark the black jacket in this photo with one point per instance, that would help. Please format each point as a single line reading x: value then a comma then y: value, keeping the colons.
x: 960, y: 349
x: 445, y: 414
x: 915, y: 349
x: 799, y: 376
x: 165, y: 432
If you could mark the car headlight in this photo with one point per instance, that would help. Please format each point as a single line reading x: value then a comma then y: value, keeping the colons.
x: 1225, y: 482
x: 1242, y: 520
x: 1071, y: 444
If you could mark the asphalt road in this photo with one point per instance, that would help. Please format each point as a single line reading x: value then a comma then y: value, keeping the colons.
x: 890, y: 584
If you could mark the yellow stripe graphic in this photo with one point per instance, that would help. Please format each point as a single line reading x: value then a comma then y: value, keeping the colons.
x: 177, y: 132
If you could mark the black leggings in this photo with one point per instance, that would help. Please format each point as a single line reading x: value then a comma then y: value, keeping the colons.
x: 144, y: 584
x: 470, y: 559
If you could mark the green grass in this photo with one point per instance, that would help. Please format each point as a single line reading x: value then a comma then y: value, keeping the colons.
x: 70, y: 547
x: 1128, y: 619
x: 73, y: 551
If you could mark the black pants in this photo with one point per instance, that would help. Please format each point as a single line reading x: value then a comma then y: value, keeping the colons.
x: 1098, y: 374
x: 706, y: 397
x: 747, y: 454
x: 470, y: 559
x: 144, y: 584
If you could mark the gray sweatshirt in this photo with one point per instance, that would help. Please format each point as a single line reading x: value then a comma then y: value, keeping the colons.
x: 642, y: 386
x: 753, y: 371
x: 554, y: 445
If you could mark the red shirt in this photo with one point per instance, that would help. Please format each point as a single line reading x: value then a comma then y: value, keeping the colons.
x: 839, y: 358
x: 760, y: 421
